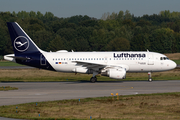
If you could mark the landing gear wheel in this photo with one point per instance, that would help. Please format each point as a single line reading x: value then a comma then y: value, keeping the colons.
x: 149, y: 77
x: 150, y: 80
x: 96, y: 79
x: 93, y: 79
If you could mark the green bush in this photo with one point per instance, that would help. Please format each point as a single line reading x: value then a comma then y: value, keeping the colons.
x: 1, y: 58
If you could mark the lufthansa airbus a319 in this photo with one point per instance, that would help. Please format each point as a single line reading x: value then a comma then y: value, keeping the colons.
x: 112, y: 64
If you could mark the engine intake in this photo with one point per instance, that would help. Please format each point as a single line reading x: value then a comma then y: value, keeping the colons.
x: 119, y: 73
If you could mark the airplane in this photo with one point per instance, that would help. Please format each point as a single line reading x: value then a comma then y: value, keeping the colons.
x: 114, y: 64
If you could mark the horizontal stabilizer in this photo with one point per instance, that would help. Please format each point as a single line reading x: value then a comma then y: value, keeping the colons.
x: 13, y: 58
x: 20, y: 58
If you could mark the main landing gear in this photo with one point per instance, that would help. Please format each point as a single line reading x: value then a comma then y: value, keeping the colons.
x: 93, y: 78
x: 149, y: 77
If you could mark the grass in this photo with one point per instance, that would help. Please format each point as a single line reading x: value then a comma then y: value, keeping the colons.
x: 8, y: 63
x: 173, y: 56
x: 33, y: 75
x: 177, y: 62
x: 36, y: 75
x: 164, y: 106
x: 6, y: 88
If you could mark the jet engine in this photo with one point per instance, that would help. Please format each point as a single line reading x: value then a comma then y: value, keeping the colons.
x: 82, y: 70
x: 119, y: 73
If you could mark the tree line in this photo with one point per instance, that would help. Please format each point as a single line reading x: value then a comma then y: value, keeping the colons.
x: 120, y: 31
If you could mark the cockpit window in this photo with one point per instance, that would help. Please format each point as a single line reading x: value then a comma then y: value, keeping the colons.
x: 164, y: 58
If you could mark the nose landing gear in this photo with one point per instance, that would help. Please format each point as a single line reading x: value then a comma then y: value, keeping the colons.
x: 149, y: 77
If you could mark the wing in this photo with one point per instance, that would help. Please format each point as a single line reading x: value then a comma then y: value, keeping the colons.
x: 92, y: 66
x: 98, y: 67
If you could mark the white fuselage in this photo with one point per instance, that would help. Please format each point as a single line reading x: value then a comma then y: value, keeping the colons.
x: 112, y: 64
x: 131, y: 61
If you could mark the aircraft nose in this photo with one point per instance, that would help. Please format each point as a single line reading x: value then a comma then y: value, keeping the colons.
x: 173, y: 65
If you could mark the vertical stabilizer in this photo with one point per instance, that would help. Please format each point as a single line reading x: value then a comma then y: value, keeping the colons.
x: 21, y: 42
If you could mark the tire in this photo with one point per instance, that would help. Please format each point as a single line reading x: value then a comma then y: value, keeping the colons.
x: 93, y: 79
x: 96, y: 79
x: 150, y: 79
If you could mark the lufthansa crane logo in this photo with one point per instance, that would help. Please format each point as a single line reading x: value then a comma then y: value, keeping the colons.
x: 21, y: 43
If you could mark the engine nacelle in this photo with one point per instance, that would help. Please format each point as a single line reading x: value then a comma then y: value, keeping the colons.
x: 82, y: 70
x: 119, y: 73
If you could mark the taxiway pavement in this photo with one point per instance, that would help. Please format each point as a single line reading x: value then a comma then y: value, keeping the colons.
x: 49, y: 91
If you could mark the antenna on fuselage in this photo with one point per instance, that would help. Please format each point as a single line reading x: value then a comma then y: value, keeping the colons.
x: 147, y: 50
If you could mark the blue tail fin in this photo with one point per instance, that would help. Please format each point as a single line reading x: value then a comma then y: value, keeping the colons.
x: 25, y: 50
x: 21, y: 42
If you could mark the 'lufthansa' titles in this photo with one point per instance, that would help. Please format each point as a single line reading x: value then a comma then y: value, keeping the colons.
x: 129, y: 55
